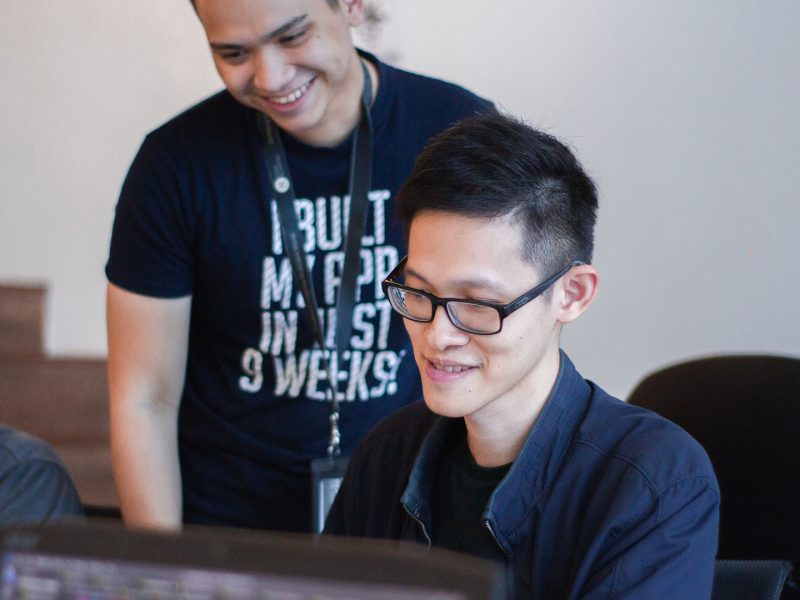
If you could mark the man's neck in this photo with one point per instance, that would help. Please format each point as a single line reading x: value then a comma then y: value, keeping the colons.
x: 496, y: 435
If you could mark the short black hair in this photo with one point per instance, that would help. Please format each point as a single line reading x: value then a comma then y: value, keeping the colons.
x: 496, y: 166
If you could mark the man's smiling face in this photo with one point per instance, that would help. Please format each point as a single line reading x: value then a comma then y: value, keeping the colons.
x: 468, y: 375
x: 291, y: 59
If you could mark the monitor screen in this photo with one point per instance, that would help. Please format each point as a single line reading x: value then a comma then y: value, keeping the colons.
x: 91, y: 562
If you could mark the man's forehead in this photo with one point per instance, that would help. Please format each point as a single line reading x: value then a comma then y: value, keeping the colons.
x: 428, y: 225
x: 251, y: 21
x: 465, y: 252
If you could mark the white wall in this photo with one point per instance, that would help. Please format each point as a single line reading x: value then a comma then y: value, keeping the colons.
x: 685, y: 112
x: 82, y: 83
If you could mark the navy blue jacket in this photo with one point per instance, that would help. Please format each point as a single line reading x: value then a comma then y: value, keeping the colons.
x: 605, y: 500
x: 35, y: 486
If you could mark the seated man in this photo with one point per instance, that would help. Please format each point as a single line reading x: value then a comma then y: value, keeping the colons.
x: 34, y: 484
x: 514, y: 456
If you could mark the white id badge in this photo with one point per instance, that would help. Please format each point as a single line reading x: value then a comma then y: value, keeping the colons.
x: 326, y: 477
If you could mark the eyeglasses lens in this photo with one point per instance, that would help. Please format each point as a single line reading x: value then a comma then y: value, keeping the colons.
x: 410, y: 305
x: 474, y: 318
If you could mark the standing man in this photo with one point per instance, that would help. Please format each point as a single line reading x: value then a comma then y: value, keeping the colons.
x: 513, y: 456
x: 219, y: 393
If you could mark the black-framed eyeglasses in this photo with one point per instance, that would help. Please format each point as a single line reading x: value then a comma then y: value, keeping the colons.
x: 472, y: 316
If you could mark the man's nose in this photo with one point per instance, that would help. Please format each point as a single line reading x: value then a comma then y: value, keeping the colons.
x: 272, y: 72
x: 442, y: 334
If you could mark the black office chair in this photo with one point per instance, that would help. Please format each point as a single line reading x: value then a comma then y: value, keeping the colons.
x: 745, y: 411
x: 749, y: 579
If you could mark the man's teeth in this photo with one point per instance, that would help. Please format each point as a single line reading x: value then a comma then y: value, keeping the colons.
x: 446, y: 369
x: 295, y: 95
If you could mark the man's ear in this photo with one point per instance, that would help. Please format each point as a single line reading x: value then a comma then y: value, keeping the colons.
x: 576, y: 291
x: 354, y: 10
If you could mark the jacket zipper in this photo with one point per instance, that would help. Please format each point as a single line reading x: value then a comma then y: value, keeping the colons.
x: 421, y: 526
x: 494, y: 537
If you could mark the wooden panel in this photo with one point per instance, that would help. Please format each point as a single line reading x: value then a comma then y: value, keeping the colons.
x: 21, y: 328
x: 89, y: 464
x: 64, y: 402
x: 55, y: 399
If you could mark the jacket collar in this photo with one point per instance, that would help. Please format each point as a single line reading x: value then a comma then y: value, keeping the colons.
x: 417, y: 495
x: 513, y: 501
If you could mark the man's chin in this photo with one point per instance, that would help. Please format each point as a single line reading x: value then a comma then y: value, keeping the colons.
x: 444, y: 405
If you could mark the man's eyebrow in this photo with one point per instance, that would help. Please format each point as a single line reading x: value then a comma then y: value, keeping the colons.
x: 484, y: 284
x: 266, y: 38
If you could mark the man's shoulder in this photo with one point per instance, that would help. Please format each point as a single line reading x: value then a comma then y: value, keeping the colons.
x: 34, y: 484
x: 435, y: 95
x: 213, y: 115
x: 213, y: 130
x: 410, y: 80
x: 18, y: 447
x: 657, y: 449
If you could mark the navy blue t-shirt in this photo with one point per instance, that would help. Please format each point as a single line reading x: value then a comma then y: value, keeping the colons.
x: 196, y: 216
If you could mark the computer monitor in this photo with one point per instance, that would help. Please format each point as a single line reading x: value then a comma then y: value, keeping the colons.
x: 84, y: 561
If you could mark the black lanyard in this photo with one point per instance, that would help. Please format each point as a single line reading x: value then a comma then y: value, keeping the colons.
x: 360, y: 178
